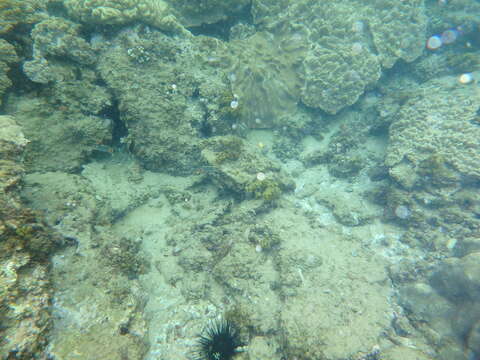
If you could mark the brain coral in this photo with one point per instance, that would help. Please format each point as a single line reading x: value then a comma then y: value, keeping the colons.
x: 440, y: 121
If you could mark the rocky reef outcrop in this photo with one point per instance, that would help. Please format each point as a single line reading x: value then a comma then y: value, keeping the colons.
x: 26, y: 244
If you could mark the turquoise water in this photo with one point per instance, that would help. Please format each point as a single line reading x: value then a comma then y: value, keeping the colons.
x: 258, y: 179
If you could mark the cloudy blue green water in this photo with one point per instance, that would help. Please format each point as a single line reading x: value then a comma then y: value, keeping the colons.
x: 305, y: 172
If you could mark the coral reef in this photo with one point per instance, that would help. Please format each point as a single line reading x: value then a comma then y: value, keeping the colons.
x: 464, y: 13
x: 263, y: 11
x: 70, y: 107
x: 202, y: 137
x: 340, y: 62
x: 344, y: 50
x: 15, y: 14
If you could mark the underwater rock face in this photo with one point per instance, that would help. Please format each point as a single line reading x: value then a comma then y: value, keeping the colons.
x: 8, y: 56
x: 63, y: 131
x: 448, y: 304
x: 171, y: 94
x: 25, y: 244
x: 440, y: 121
x: 99, y: 316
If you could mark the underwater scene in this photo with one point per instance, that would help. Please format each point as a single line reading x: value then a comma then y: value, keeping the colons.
x: 240, y: 180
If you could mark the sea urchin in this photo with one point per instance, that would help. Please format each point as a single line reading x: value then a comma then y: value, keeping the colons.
x: 219, y: 341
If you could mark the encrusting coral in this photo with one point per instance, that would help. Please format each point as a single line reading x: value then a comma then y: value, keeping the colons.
x: 152, y: 12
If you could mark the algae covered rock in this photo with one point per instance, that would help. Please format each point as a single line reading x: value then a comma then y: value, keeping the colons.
x: 58, y: 49
x: 237, y: 167
x: 348, y: 209
x: 64, y: 126
x: 25, y: 245
x: 264, y: 10
x: 449, y: 304
x: 171, y: 94
x: 8, y: 56
x: 437, y: 127
x: 11, y: 133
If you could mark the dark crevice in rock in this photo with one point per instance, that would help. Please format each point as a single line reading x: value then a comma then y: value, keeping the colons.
x: 221, y: 29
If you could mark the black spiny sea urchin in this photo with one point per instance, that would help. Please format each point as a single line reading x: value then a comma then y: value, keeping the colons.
x: 219, y: 341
